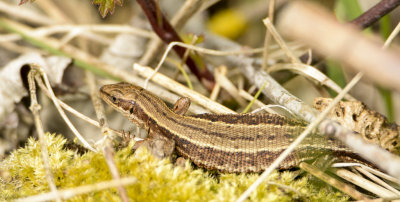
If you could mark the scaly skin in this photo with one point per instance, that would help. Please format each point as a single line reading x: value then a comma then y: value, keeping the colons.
x: 227, y: 142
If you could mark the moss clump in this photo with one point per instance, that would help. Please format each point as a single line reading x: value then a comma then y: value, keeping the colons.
x: 23, y: 175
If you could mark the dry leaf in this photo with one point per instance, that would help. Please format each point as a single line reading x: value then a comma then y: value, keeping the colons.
x: 12, y: 89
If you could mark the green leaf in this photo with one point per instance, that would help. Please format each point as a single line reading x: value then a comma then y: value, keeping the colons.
x: 106, y: 6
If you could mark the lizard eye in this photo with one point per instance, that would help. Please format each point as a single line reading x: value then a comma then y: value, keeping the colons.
x: 113, y: 99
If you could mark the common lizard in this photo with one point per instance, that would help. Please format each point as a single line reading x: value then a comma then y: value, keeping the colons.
x: 224, y: 142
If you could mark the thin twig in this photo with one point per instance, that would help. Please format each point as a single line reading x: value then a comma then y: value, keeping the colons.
x: 35, y: 107
x: 199, y: 49
x: 278, y: 94
x: 91, y: 63
x: 179, y: 88
x: 108, y: 150
x: 286, y: 187
x: 375, y: 13
x: 217, y: 87
x: 61, y: 111
x: 186, y: 11
x: 392, y: 35
x: 67, y: 107
x: 167, y: 33
x: 311, y: 73
x: 267, y: 40
x: 25, y: 14
x: 226, y: 84
x: 53, y: 11
x: 279, y: 40
x: 20, y: 49
x: 103, y: 28
x: 109, y: 156
x: 370, y: 152
x: 73, y: 111
x: 69, y: 193
x: 273, y: 90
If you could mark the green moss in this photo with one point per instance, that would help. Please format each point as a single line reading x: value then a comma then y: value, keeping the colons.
x: 23, y: 175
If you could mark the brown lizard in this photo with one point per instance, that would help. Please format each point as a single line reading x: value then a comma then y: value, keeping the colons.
x: 224, y: 142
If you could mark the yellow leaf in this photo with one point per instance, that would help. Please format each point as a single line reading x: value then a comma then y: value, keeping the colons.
x: 229, y: 23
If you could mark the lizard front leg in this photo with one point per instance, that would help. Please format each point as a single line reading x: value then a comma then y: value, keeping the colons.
x: 156, y: 143
x: 159, y: 145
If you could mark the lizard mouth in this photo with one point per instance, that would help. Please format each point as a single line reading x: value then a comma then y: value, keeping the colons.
x: 104, y: 94
x: 107, y: 96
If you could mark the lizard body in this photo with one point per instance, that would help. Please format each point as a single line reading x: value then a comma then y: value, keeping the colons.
x: 226, y: 142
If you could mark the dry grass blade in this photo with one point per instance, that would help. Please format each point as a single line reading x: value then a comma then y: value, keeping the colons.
x: 88, y: 31
x: 35, y: 107
x: 298, y: 140
x: 373, y: 171
x: 332, y: 181
x: 365, y: 184
x: 378, y: 180
x: 69, y: 193
x: 53, y: 11
x: 199, y: 49
x: 271, y: 10
x: 25, y: 14
x: 180, y: 89
x: 276, y: 93
x: 60, y: 36
x: 273, y: 90
x: 312, y: 73
x: 370, y: 152
x: 108, y: 149
x: 85, y: 60
x: 105, y: 29
x: 392, y: 35
x: 217, y: 87
x: 269, y: 110
x: 226, y: 84
x: 257, y: 103
x: 61, y: 111
x: 73, y: 111
x: 280, y: 41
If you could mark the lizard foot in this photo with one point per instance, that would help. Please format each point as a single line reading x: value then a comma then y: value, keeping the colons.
x: 159, y: 147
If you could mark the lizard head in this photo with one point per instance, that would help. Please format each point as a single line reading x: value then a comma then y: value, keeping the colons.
x: 125, y: 98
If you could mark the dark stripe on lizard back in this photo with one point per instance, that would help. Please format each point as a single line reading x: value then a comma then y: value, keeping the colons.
x: 239, y: 119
